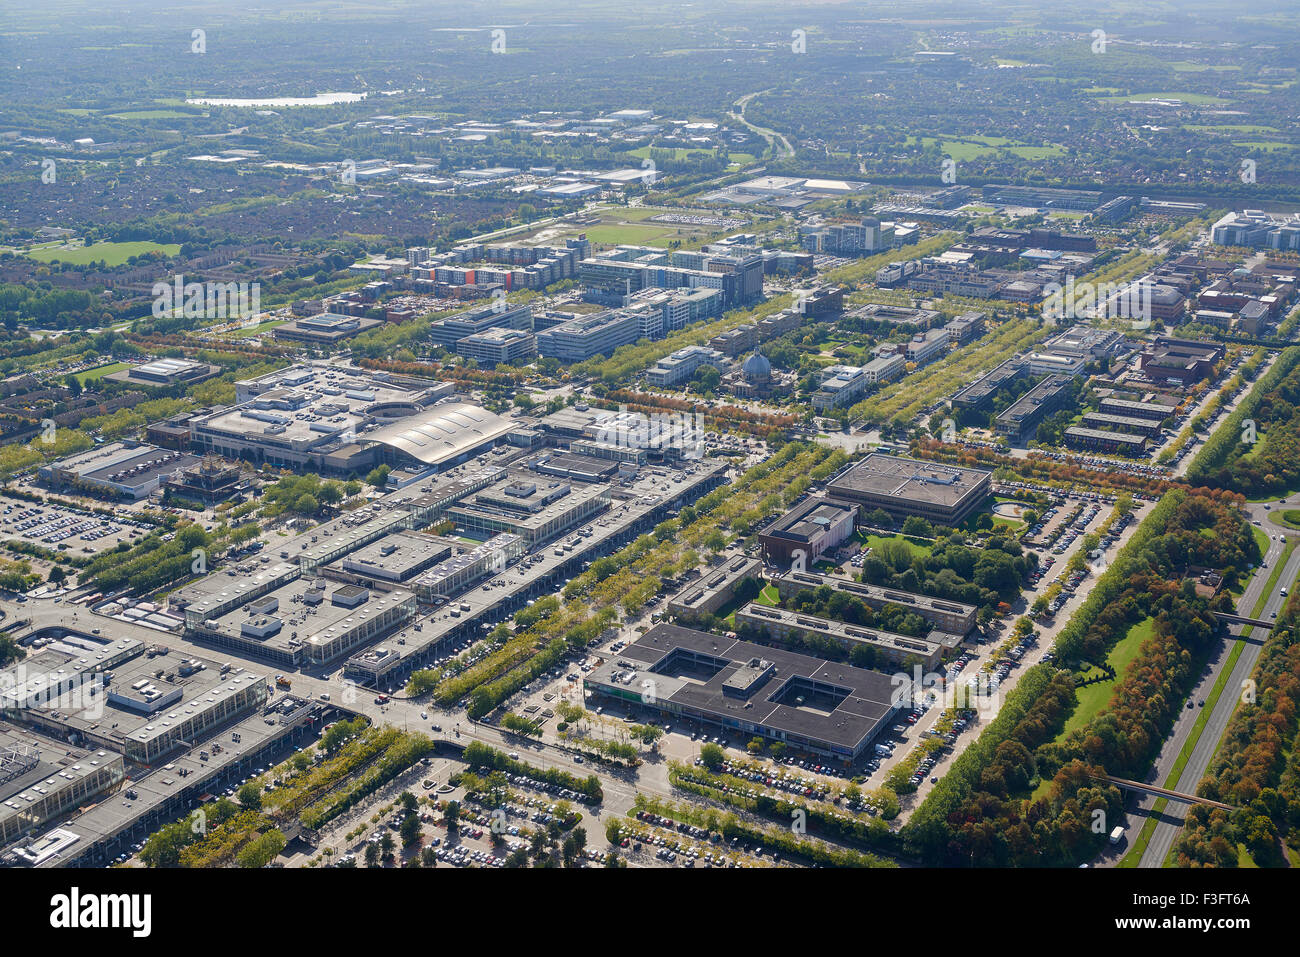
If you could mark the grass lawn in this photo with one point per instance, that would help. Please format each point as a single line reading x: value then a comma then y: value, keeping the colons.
x: 1197, y: 99
x: 1095, y: 696
x: 619, y: 234
x: 918, y: 546
x: 113, y: 254
x: 769, y: 596
x: 93, y: 375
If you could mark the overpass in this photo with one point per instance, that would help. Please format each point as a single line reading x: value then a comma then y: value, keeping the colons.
x: 1232, y: 619
x: 1166, y: 793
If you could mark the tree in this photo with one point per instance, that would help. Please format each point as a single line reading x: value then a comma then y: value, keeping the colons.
x: 410, y: 830
x: 372, y: 853
x: 250, y: 796
x: 378, y: 477
x: 916, y: 527
x: 879, y: 518
x: 57, y: 575
x: 713, y: 756
x: 386, y: 845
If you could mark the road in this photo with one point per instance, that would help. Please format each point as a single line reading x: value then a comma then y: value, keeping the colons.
x: 778, y: 140
x: 1202, y: 754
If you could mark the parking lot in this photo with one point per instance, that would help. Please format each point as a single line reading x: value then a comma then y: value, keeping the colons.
x: 63, y: 528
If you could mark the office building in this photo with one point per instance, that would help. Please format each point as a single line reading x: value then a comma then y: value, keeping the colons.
x: 941, y: 494
x: 738, y: 687
x: 498, y: 346
x: 806, y: 532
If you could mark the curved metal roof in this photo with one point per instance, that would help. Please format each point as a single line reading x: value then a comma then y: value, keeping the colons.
x: 443, y: 432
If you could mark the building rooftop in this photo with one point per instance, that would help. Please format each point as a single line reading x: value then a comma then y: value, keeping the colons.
x: 737, y: 681
x: 896, y: 476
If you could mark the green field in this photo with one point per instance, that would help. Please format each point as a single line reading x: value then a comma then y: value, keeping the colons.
x: 635, y: 235
x: 1230, y: 128
x: 1196, y: 99
x: 113, y: 254
x: 153, y: 115
x: 94, y: 375
x: 1096, y: 696
x: 973, y: 147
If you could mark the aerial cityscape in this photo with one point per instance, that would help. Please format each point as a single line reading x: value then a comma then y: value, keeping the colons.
x: 715, y: 435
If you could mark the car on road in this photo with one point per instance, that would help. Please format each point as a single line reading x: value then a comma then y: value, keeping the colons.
x: 424, y: 715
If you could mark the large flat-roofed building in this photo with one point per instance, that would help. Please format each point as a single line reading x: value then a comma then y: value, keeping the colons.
x: 844, y: 385
x: 536, y: 508
x: 681, y: 365
x: 927, y: 346
x: 41, y: 779
x: 454, y: 574
x: 967, y: 327
x: 314, y: 415
x: 151, y: 706
x: 325, y: 328
x: 1081, y: 438
x: 895, y: 315
x: 980, y: 393
x: 1023, y: 416
x: 779, y: 624
x: 587, y: 336
x: 1258, y: 229
x: 1088, y: 341
x: 715, y: 588
x: 1041, y: 197
x: 447, y: 332
x: 124, y: 470
x: 161, y: 373
x: 942, y: 494
x: 1054, y: 363
x: 809, y: 530
x: 1154, y: 411
x: 808, y: 704
x: 393, y: 559
x: 1180, y: 360
x: 948, y: 616
x: 493, y: 347
x: 310, y: 620
x: 1122, y: 423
